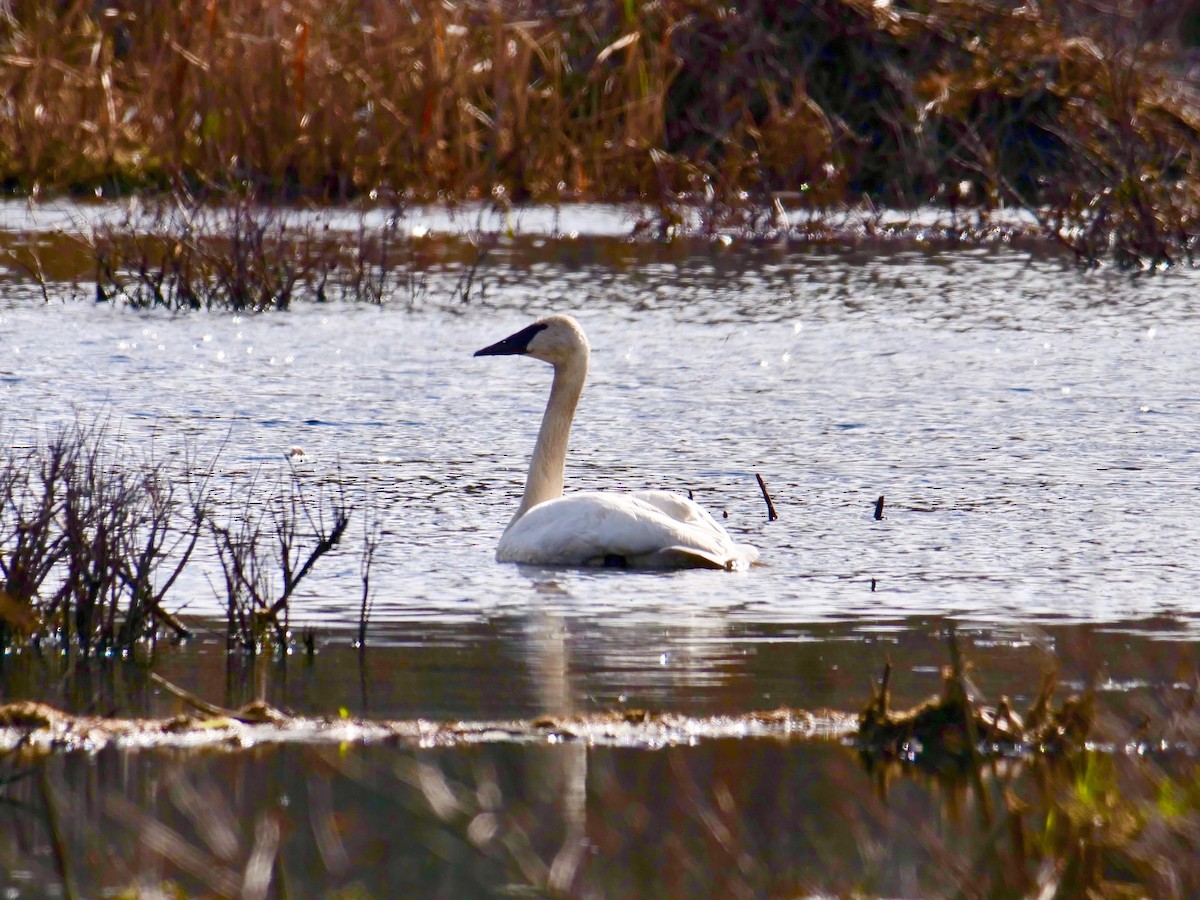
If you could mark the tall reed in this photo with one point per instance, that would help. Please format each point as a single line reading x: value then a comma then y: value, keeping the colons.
x: 1078, y: 111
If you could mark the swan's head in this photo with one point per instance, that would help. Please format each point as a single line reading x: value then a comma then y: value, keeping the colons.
x: 556, y: 339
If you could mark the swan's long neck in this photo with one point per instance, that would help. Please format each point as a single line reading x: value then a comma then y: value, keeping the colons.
x: 545, y: 478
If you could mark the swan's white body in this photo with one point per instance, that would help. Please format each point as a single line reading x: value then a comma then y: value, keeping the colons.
x: 644, y: 529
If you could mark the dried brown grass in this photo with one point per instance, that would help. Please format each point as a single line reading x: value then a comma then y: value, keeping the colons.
x: 331, y: 99
x: 1078, y: 111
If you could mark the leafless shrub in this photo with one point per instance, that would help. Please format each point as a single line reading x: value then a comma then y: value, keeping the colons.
x: 90, y: 543
x: 30, y: 537
x: 379, y: 264
x: 482, y: 240
x: 178, y: 253
x: 268, y: 548
x: 93, y: 539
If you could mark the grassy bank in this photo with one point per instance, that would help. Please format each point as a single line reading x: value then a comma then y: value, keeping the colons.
x: 1078, y: 112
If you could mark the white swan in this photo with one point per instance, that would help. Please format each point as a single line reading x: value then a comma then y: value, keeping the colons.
x: 644, y: 529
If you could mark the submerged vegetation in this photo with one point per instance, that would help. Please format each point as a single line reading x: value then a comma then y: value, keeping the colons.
x: 178, y: 253
x: 1082, y: 114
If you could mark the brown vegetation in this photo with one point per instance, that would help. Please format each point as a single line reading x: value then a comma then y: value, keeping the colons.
x: 282, y: 538
x: 1078, y: 111
x: 1011, y: 817
x: 180, y: 252
x: 92, y: 540
x: 1064, y: 814
x: 88, y: 550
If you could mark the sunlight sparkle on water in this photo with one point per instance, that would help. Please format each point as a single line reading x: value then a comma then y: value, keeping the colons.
x: 942, y: 381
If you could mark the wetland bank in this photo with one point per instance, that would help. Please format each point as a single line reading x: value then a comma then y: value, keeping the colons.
x: 1029, y: 424
x: 255, y: 639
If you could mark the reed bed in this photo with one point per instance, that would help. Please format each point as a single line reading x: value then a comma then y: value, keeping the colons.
x: 332, y: 99
x: 1082, y: 112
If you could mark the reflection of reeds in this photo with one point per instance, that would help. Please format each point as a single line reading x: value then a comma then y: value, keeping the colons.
x: 733, y: 817
x: 425, y: 808
x: 1060, y: 817
x: 1072, y: 109
x: 455, y: 808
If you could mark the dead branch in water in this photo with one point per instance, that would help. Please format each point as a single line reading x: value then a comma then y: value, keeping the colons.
x: 954, y: 731
x: 250, y: 559
x: 372, y: 537
x: 762, y: 486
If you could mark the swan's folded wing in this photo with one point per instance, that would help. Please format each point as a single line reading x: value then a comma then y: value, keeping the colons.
x: 652, y: 529
x: 680, y: 508
x: 690, y: 512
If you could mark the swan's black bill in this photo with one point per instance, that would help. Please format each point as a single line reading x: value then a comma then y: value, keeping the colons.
x: 514, y: 344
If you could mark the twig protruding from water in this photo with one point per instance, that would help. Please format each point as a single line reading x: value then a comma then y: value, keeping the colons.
x: 762, y: 486
x: 879, y: 508
x: 372, y: 537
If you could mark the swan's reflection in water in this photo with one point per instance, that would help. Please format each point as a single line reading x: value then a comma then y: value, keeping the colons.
x: 557, y: 771
x: 562, y: 653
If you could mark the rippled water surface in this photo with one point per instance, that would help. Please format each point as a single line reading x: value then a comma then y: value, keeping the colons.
x: 1032, y: 428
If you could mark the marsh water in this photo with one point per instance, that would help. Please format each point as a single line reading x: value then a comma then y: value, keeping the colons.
x: 1031, y: 427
